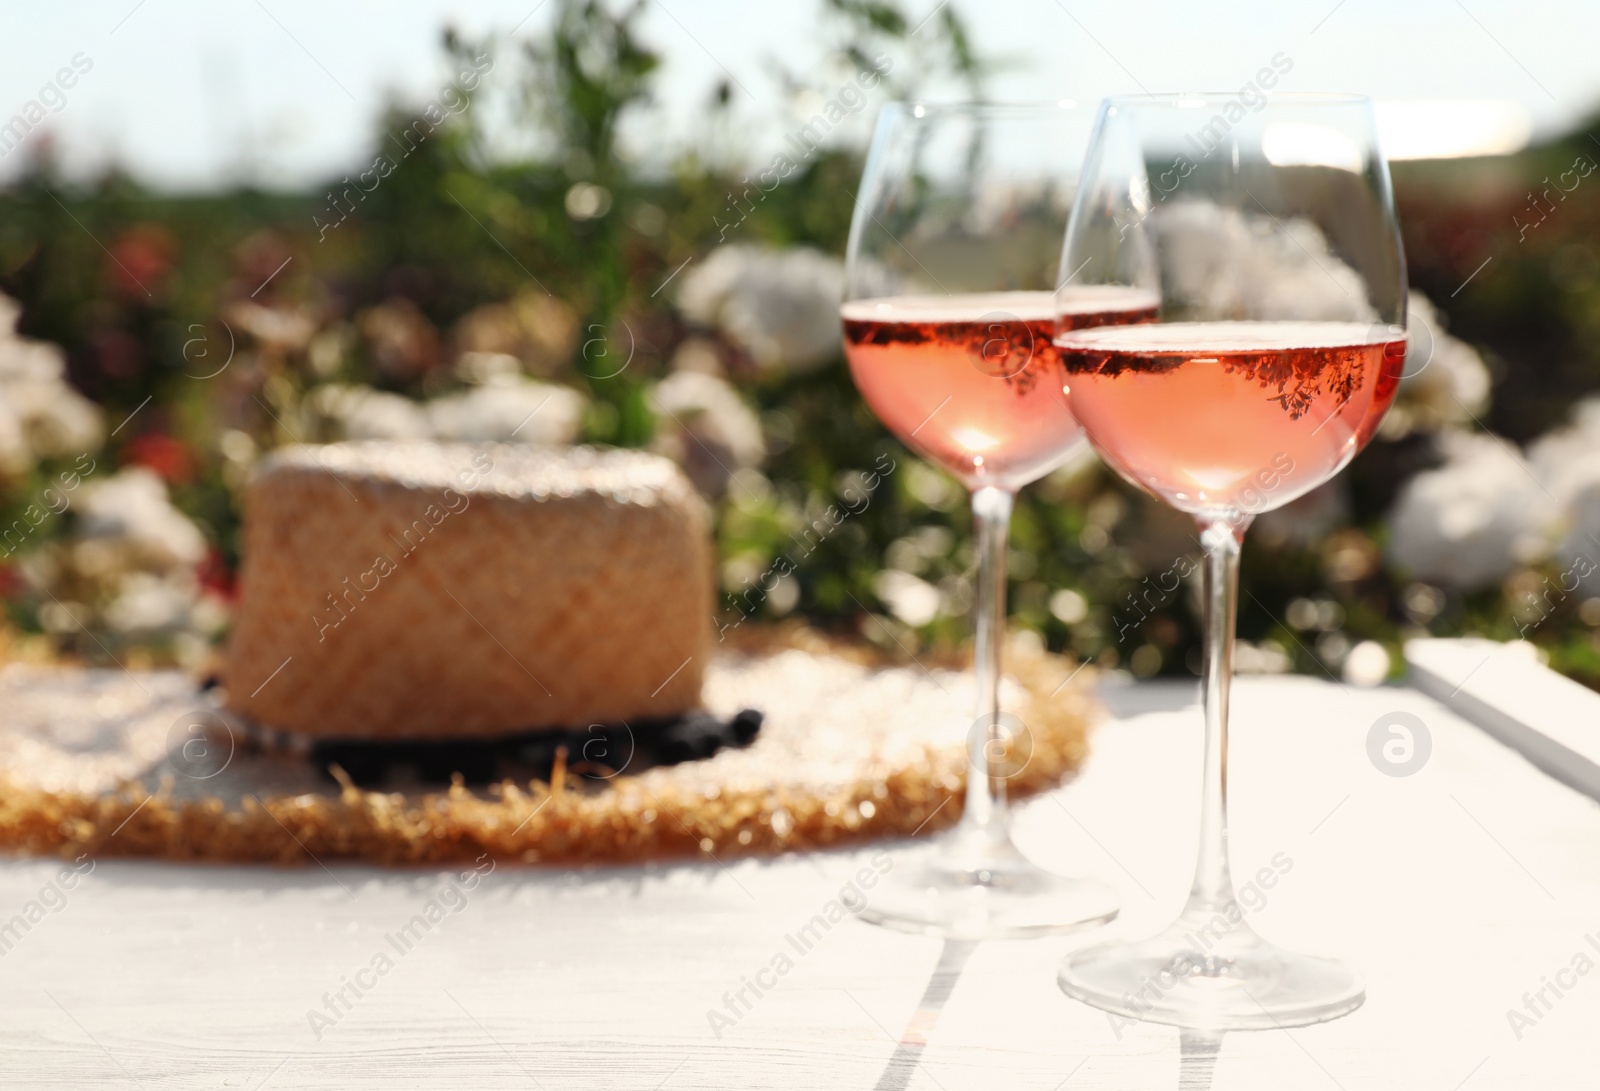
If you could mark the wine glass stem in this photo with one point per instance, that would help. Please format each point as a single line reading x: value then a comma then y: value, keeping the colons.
x: 1221, y: 539
x: 985, y: 813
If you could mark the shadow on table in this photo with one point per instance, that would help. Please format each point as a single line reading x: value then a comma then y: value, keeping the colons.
x: 1197, y: 1058
x: 1150, y: 695
x: 1197, y: 1049
x: 908, y: 1052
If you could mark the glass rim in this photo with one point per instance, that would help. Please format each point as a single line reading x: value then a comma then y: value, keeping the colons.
x: 1201, y: 98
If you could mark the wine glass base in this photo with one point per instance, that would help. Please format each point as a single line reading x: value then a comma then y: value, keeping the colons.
x: 997, y: 894
x: 1238, y: 982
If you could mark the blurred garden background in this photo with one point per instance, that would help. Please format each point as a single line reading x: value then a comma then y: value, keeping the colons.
x: 559, y: 288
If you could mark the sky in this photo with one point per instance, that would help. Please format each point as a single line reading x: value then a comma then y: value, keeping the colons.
x: 197, y: 95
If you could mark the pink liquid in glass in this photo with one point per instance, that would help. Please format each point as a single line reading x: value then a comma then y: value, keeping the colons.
x: 973, y: 382
x: 1212, y: 416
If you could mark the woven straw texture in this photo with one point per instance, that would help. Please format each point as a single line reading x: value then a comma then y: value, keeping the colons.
x: 104, y: 762
x: 416, y: 590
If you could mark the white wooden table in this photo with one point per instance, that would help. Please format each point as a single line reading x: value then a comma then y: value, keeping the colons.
x: 1456, y: 889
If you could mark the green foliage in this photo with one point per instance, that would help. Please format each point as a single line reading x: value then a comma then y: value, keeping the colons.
x: 127, y: 281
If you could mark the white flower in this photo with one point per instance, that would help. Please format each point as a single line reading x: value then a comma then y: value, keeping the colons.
x: 1223, y: 263
x: 15, y: 457
x: 686, y: 395
x: 59, y: 422
x: 1579, y: 552
x: 147, y: 603
x: 137, y: 557
x: 780, y: 306
x: 913, y: 600
x: 1567, y: 459
x: 129, y: 514
x: 507, y: 408
x: 359, y: 412
x: 1445, y: 381
x: 1470, y: 522
x: 41, y: 416
x: 707, y: 428
x: 485, y: 367
x: 281, y: 328
x: 1305, y: 520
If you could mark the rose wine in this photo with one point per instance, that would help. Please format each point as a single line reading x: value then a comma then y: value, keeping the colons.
x: 973, y: 382
x: 1220, y: 416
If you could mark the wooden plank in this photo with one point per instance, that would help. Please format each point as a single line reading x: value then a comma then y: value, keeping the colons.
x: 1504, y: 689
x: 1455, y: 889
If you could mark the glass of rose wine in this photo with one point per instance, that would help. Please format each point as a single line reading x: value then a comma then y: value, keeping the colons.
x: 948, y: 319
x: 1269, y: 234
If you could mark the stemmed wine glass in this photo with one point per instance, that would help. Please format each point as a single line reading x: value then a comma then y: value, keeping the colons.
x: 948, y: 317
x: 1269, y: 231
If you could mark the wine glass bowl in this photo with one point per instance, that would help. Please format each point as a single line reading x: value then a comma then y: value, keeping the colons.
x: 1231, y: 417
x: 948, y: 320
x: 1269, y: 236
x: 971, y: 381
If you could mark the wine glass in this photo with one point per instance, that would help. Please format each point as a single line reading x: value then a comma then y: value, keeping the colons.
x: 948, y: 317
x: 1268, y: 228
